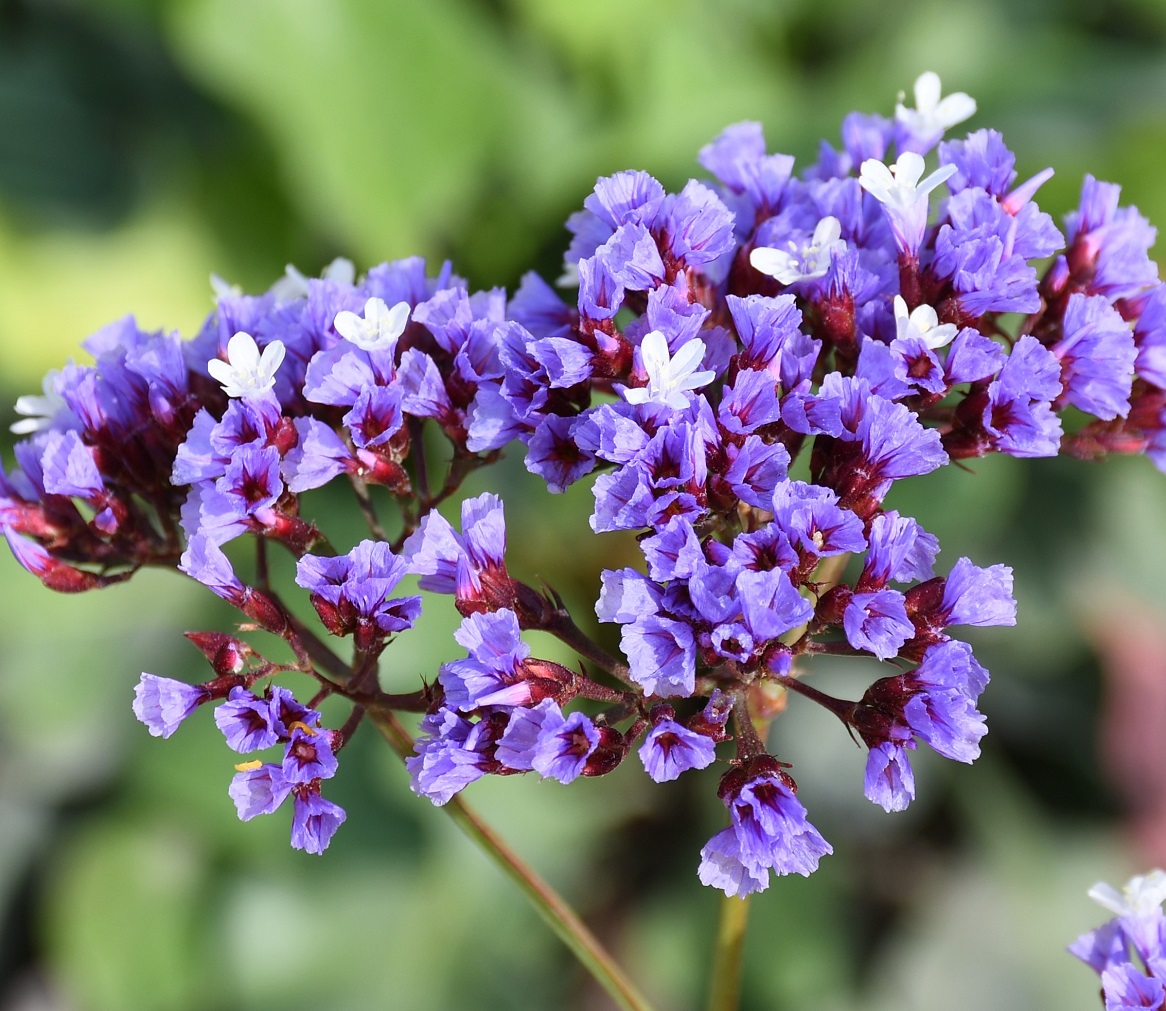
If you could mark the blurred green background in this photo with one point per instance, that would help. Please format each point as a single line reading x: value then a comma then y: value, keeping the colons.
x: 145, y: 144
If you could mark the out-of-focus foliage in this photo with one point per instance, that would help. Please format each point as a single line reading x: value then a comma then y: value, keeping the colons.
x: 145, y: 144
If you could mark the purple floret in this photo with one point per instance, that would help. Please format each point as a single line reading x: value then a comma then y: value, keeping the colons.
x: 314, y: 821
x: 258, y: 791
x: 163, y: 703
x: 769, y: 832
x: 661, y: 653
x: 670, y: 748
x: 247, y: 722
x: 564, y: 745
x: 889, y: 780
x: 1097, y: 356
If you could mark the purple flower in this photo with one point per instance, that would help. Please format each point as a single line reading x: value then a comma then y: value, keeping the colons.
x: 258, y: 791
x: 246, y: 721
x: 877, y: 622
x: 493, y: 674
x: 163, y: 703
x: 450, y: 755
x: 889, y: 781
x: 754, y: 180
x: 309, y: 756
x: 697, y: 227
x: 470, y: 564
x: 518, y: 743
x: 1097, y: 356
x: 351, y: 592
x: 976, y: 596
x: 314, y: 821
x: 769, y: 832
x: 1108, y: 244
x: 564, y: 745
x: 900, y: 550
x: 670, y: 748
x: 661, y: 654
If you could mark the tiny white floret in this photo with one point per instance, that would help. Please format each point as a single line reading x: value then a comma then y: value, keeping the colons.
x: 378, y: 328
x: 923, y: 324
x: 1142, y: 895
x: 246, y: 372
x: 933, y: 115
x: 805, y: 263
x: 670, y: 377
x: 223, y: 288
x: 294, y: 284
x: 39, y: 411
x: 899, y: 186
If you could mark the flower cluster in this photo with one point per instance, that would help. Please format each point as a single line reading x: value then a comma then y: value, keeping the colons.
x: 1129, y: 952
x: 748, y: 367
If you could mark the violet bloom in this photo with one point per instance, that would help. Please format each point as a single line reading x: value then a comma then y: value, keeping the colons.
x: 1097, y: 356
x: 259, y: 790
x: 564, y: 745
x: 309, y: 755
x: 163, y: 703
x: 978, y: 596
x: 661, y: 653
x: 351, y: 592
x: 470, y: 564
x: 877, y: 622
x: 769, y: 832
x: 246, y: 721
x: 492, y: 674
x: 889, y: 780
x: 451, y: 754
x: 517, y: 745
x: 670, y: 748
x: 314, y: 821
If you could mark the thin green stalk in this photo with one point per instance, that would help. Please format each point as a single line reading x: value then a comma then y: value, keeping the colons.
x: 728, y: 955
x: 551, y: 906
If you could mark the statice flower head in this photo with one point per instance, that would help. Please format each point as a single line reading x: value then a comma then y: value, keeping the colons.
x: 747, y: 369
x: 351, y: 593
x: 769, y: 831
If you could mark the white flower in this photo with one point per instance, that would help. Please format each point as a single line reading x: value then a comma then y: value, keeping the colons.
x: 903, y: 195
x: 379, y: 328
x: 223, y: 288
x: 805, y: 264
x: 1142, y: 895
x: 294, y: 285
x: 898, y: 186
x: 932, y: 115
x: 922, y: 323
x: 247, y: 373
x: 39, y: 412
x: 669, y: 378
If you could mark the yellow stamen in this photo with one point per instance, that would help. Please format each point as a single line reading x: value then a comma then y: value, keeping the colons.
x: 300, y: 725
x: 248, y: 766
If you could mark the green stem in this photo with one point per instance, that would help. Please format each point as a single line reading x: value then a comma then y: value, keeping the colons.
x: 728, y: 956
x: 551, y: 906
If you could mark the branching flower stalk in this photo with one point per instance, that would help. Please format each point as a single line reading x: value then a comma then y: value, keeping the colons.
x: 873, y: 319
